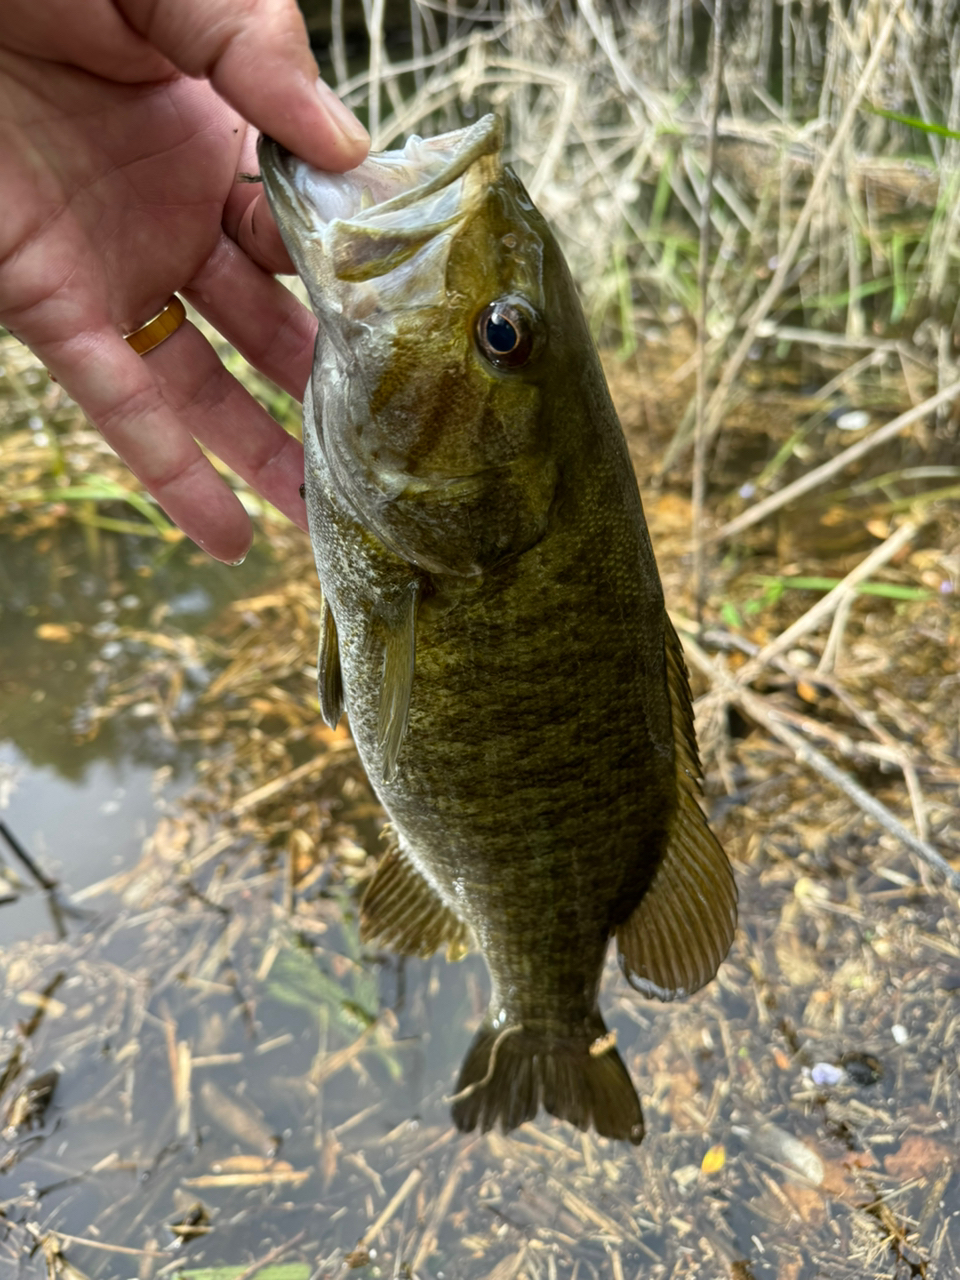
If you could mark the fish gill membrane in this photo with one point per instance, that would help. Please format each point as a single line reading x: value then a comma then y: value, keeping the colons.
x: 493, y: 622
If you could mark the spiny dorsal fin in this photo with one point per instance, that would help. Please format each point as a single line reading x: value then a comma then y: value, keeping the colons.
x: 329, y: 677
x: 679, y: 934
x: 406, y: 914
x: 399, y: 660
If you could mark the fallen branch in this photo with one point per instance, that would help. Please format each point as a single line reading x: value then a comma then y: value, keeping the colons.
x: 810, y: 481
x: 757, y: 708
x: 828, y: 604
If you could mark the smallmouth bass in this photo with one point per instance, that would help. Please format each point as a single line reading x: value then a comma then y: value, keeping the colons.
x: 493, y: 621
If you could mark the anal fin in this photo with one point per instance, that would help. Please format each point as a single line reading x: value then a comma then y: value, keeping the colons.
x: 329, y: 676
x: 401, y: 910
x: 680, y: 932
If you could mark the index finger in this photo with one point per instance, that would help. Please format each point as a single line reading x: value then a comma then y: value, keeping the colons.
x: 257, y: 56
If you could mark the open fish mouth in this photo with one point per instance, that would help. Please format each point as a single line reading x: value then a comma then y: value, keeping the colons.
x: 390, y: 220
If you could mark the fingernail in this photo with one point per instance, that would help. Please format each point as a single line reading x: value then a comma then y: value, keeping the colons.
x: 341, y: 115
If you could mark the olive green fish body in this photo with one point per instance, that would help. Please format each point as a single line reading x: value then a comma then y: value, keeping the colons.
x: 494, y: 627
x: 539, y: 722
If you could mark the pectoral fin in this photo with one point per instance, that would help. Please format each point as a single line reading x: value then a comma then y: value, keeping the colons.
x: 329, y: 677
x: 406, y: 914
x: 399, y: 659
x: 679, y: 934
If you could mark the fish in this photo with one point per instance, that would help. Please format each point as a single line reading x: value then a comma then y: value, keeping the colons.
x: 493, y: 622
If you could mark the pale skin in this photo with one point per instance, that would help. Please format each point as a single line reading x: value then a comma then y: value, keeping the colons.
x: 123, y: 127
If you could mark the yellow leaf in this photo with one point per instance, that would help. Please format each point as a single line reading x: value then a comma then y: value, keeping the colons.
x: 714, y: 1160
x: 54, y: 631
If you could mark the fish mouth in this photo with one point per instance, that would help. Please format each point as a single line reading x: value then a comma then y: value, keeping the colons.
x: 390, y: 220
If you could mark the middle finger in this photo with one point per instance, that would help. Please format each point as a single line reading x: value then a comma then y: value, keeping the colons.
x: 270, y: 327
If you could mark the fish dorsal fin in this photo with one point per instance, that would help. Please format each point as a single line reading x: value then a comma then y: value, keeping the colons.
x: 329, y: 676
x: 399, y: 659
x: 406, y: 914
x: 679, y: 934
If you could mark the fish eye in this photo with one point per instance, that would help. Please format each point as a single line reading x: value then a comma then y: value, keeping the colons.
x: 506, y: 332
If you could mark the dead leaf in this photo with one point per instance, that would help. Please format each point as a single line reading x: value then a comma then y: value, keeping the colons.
x: 55, y: 632
x: 808, y: 1203
x: 358, y: 1257
x: 836, y: 1179
x: 714, y: 1160
x: 917, y: 1156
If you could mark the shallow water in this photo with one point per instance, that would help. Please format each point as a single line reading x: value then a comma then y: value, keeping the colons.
x: 226, y: 1048
x: 81, y: 790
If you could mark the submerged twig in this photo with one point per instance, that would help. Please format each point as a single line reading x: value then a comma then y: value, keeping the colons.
x: 699, y: 439
x: 758, y: 709
x: 58, y: 904
x: 272, y: 1256
x: 410, y: 1183
x: 805, y: 483
x: 428, y: 1241
x: 126, y: 1250
x: 19, y: 852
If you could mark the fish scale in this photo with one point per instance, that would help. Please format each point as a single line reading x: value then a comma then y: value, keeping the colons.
x: 493, y: 620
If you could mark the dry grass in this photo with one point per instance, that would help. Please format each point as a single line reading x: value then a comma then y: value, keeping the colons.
x: 608, y: 123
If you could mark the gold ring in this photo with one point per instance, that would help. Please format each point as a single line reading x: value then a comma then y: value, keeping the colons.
x: 158, y: 329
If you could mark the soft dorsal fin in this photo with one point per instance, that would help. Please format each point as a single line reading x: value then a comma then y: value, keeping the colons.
x: 679, y: 934
x: 406, y: 914
x: 399, y: 660
x: 329, y: 677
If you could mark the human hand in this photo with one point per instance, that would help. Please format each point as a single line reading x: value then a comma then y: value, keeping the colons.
x: 118, y: 175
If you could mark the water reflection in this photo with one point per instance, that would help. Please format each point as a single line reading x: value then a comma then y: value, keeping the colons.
x: 83, y: 767
x: 74, y: 622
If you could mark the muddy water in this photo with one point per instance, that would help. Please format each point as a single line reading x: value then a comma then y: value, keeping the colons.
x: 82, y: 783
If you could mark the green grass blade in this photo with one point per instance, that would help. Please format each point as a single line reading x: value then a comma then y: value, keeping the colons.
x: 914, y: 122
x: 885, y: 590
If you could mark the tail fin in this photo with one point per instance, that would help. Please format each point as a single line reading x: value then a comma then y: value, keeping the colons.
x: 508, y: 1073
